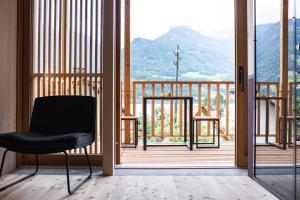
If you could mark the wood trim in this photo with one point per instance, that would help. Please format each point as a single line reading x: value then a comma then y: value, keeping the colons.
x: 24, y: 38
x: 108, y: 55
x: 283, y: 85
x: 241, y: 57
x: 118, y: 82
x: 127, y: 69
x: 59, y: 159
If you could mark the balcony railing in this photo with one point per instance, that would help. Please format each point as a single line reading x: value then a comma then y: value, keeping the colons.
x: 271, y: 89
x: 211, y: 98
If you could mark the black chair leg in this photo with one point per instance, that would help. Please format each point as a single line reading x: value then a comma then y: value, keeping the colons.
x: 20, y: 180
x: 71, y: 191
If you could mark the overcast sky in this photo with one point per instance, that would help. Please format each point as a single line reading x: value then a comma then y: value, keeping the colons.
x: 152, y: 18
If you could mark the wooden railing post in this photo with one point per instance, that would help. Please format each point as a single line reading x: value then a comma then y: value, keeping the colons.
x: 208, y: 108
x: 199, y: 107
x: 277, y: 114
x: 258, y: 112
x: 153, y: 111
x: 171, y: 111
x: 227, y: 111
x: 180, y: 111
x: 162, y: 113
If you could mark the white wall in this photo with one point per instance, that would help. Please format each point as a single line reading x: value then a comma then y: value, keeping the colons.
x: 8, y: 61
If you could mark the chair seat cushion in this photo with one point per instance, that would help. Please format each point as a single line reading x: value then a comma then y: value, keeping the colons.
x: 41, y: 143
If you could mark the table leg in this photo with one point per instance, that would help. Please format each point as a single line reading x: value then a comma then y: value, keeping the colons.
x: 136, y: 133
x: 196, y: 125
x: 145, y: 124
x: 267, y: 121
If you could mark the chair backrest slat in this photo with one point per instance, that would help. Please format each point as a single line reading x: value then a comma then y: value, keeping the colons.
x: 64, y: 114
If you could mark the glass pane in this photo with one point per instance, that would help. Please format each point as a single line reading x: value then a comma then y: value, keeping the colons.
x: 297, y: 98
x: 274, y: 106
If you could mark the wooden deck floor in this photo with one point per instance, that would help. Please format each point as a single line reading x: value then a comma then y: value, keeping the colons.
x: 182, y: 157
x: 177, y: 156
x: 269, y: 155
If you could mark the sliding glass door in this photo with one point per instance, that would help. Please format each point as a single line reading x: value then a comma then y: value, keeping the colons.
x: 277, y: 30
x: 297, y: 125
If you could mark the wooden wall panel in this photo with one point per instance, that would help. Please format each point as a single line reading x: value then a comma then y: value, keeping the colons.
x: 8, y: 64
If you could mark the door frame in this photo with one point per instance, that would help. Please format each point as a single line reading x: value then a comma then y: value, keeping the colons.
x: 241, y: 60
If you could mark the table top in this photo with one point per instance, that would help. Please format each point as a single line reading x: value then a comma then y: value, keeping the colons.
x: 168, y: 97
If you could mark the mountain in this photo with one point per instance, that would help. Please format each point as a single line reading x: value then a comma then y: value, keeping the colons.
x: 268, y: 50
x: 204, y: 57
x: 153, y: 59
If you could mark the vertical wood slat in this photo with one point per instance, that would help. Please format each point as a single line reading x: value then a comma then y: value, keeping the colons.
x: 227, y: 111
x: 70, y: 46
x: 277, y: 114
x: 290, y: 99
x: 127, y: 73
x: 63, y: 33
x: 85, y: 49
x: 80, y: 47
x: 191, y: 95
x: 134, y: 99
x: 44, y: 49
x: 39, y: 49
x: 153, y: 112
x: 199, y: 108
x: 258, y: 111
x: 54, y: 49
x: 91, y: 45
x: 218, y: 101
x: 208, y: 108
x: 171, y: 111
x: 76, y: 48
x: 162, y: 114
x: 99, y: 130
x: 180, y: 112
x: 268, y: 90
x: 61, y: 43
x: 49, y: 46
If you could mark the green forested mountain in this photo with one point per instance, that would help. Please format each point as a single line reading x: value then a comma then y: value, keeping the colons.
x: 203, y: 57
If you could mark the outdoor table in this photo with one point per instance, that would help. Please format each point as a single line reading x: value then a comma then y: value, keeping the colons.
x: 185, y: 100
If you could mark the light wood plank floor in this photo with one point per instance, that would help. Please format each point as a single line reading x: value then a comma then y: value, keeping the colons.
x: 177, y: 156
x: 139, y: 188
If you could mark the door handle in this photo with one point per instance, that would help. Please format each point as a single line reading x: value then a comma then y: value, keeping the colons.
x: 241, y: 77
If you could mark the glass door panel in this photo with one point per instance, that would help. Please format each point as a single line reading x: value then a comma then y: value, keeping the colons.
x: 274, y: 139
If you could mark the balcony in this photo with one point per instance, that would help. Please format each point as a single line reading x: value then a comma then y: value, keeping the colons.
x: 211, y: 98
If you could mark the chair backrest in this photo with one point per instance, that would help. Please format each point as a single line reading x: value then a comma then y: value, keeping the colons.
x: 64, y: 114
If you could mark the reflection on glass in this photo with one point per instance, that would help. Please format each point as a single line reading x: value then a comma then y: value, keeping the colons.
x: 274, y: 156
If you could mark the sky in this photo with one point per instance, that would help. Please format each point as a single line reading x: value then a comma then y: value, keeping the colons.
x: 152, y: 18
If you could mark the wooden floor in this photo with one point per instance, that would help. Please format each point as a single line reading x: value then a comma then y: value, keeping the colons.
x: 53, y: 187
x: 177, y: 156
x: 269, y: 155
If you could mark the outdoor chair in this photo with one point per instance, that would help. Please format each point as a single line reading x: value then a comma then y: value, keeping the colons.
x: 214, y: 120
x: 58, y: 124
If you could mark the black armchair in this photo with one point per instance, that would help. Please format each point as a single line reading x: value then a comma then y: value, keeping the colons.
x: 58, y: 124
